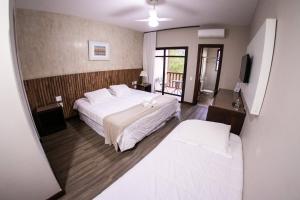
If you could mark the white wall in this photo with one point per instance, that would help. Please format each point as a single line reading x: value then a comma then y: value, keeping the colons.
x: 24, y: 169
x: 271, y: 141
x: 260, y: 50
x: 235, y: 45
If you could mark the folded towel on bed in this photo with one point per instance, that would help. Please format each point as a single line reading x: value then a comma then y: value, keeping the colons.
x: 149, y: 101
x: 114, y: 124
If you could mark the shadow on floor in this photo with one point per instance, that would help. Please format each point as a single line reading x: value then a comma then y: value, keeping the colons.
x: 62, y: 148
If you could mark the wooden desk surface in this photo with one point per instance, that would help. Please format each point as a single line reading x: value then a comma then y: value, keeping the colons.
x: 48, y: 107
x: 225, y: 98
x: 223, y: 111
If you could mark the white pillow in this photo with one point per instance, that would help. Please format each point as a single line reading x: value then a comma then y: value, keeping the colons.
x: 119, y: 90
x: 209, y: 135
x: 98, y: 96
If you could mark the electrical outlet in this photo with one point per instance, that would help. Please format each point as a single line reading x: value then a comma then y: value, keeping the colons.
x: 58, y: 98
x: 134, y: 82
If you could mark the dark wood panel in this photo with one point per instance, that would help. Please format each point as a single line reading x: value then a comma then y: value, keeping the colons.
x: 85, y: 166
x: 42, y: 91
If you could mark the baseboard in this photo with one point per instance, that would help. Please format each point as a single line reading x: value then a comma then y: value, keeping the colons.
x: 57, y: 195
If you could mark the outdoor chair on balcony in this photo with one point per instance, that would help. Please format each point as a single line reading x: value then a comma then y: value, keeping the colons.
x: 177, y: 89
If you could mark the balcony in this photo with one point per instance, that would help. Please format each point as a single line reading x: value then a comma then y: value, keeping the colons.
x: 173, y: 83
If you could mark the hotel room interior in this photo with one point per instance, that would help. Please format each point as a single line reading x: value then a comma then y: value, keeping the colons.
x: 150, y: 99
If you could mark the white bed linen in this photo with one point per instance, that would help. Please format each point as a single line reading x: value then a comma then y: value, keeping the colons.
x: 179, y: 171
x: 93, y: 116
x: 94, y: 125
x: 116, y: 104
x: 139, y: 129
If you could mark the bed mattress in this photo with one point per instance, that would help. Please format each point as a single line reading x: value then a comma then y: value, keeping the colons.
x: 185, y: 171
x: 93, y: 116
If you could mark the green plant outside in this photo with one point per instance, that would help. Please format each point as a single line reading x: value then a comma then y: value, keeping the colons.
x: 175, y: 65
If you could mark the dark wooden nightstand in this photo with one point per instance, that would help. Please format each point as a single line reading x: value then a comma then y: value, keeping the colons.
x: 144, y: 87
x: 49, y: 119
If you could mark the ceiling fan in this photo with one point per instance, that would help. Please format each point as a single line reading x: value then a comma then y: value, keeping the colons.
x: 153, y: 19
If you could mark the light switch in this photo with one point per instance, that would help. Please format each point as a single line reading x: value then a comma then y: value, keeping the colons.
x: 191, y: 78
x: 58, y: 98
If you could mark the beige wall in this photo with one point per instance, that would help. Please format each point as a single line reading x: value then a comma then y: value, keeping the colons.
x: 271, y: 141
x: 234, y: 48
x: 24, y: 169
x: 55, y: 44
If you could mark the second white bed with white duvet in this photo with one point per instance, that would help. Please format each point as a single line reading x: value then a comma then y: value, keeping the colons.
x: 180, y: 169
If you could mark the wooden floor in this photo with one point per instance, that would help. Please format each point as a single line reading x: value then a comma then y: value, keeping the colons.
x: 205, y: 99
x: 84, y: 166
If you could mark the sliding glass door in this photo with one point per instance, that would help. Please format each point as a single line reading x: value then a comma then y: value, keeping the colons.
x: 170, y: 69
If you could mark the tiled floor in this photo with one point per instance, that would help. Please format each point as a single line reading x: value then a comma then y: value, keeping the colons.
x: 171, y: 90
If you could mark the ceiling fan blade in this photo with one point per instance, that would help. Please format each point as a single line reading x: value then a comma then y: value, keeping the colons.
x: 142, y: 20
x: 182, y: 8
x: 126, y: 11
x: 164, y: 19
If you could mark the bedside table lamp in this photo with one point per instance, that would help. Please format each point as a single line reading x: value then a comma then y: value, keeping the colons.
x: 143, y: 74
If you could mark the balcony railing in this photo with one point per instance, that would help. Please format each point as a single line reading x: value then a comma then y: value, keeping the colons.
x: 173, y: 83
x: 174, y: 80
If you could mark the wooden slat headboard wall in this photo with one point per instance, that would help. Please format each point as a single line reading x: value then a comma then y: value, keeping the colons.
x: 42, y: 91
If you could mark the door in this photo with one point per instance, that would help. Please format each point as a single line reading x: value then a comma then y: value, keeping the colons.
x: 208, y: 72
x: 170, y: 70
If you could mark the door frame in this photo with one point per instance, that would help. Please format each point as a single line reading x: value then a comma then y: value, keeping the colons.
x: 199, y: 67
x: 184, y: 68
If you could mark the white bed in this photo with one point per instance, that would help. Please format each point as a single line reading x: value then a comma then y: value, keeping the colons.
x: 179, y: 171
x: 93, y: 116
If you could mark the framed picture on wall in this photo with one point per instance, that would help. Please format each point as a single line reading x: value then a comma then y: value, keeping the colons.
x: 99, y: 50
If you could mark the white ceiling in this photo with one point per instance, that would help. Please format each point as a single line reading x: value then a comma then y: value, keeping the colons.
x: 125, y: 12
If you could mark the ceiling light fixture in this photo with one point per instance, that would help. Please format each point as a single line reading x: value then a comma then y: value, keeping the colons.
x: 153, y: 20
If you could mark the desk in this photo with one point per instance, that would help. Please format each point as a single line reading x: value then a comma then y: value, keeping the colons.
x: 223, y: 111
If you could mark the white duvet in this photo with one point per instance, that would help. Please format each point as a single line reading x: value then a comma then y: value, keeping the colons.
x: 93, y: 115
x: 115, y: 104
x: 176, y: 170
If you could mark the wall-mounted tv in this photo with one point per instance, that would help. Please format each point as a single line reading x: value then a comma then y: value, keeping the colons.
x: 245, y: 68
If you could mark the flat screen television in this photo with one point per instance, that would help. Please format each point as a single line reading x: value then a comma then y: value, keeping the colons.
x: 245, y: 69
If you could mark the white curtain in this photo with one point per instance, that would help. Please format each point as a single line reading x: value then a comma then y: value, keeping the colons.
x: 149, y: 48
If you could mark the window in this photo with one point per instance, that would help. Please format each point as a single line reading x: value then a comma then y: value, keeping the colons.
x: 170, y: 64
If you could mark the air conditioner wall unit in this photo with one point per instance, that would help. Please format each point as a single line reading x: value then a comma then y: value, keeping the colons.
x: 211, y: 33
